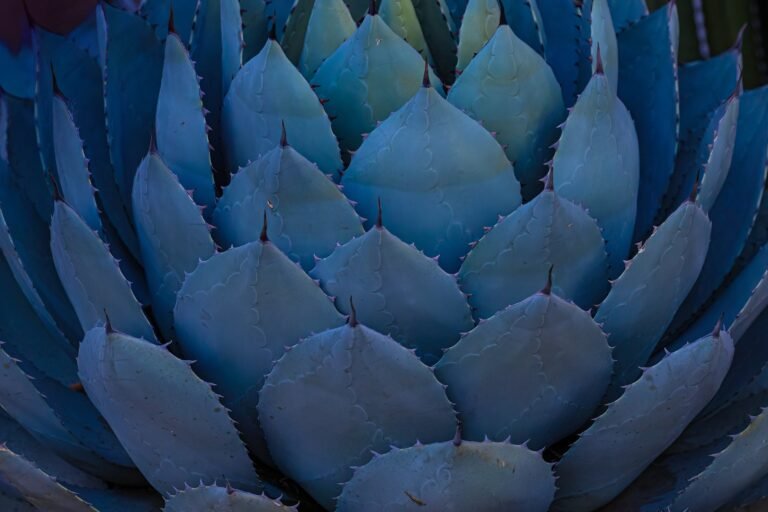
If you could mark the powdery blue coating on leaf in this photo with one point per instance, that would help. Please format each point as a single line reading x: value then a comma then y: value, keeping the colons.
x: 134, y: 65
x: 37, y: 487
x: 397, y: 291
x: 232, y: 42
x: 236, y: 314
x: 739, y: 200
x: 255, y: 26
x: 718, y: 163
x: 625, y: 13
x: 371, y: 75
x: 535, y: 371
x: 641, y: 424
x: 442, y: 477
x: 740, y: 464
x: 479, y: 22
x: 439, y: 31
x: 561, y: 23
x: 524, y: 18
x: 91, y: 277
x: 307, y: 215
x: 222, y: 499
x: 182, y: 141
x: 441, y: 176
x: 512, y: 260
x: 401, y: 17
x: 279, y: 12
x: 648, y: 88
x: 604, y: 38
x: 597, y: 166
x: 169, y: 421
x: 72, y: 166
x: 513, y: 92
x: 268, y: 90
x: 643, y: 300
x: 293, y: 37
x: 172, y: 235
x: 330, y: 24
x: 337, y: 396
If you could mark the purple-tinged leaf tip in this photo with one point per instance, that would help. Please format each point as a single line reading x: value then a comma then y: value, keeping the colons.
x: 502, y: 14
x: 379, y: 223
x: 283, y: 135
x: 547, y: 290
x: 457, y: 436
x: 372, y: 8
x: 263, y: 237
x: 718, y: 326
x: 599, y: 70
x: 425, y: 78
x: 352, y: 319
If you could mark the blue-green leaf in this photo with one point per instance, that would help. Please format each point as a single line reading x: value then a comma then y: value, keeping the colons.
x: 401, y: 17
x: 232, y: 42
x: 441, y: 176
x: 562, y: 22
x: 625, y: 13
x: 236, y: 314
x: 170, y: 422
x: 524, y: 18
x: 439, y: 31
x: 479, y: 23
x: 718, y: 163
x: 337, y: 396
x: 255, y: 26
x: 535, y: 371
x: 442, y: 476
x: 330, y: 24
x: 292, y: 40
x: 157, y: 13
x: 397, y: 291
x: 222, y: 499
x: 604, y: 40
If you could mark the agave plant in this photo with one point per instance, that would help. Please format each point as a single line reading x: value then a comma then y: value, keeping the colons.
x: 401, y: 255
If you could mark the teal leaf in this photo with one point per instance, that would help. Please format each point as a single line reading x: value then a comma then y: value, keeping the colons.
x: 255, y: 26
x: 513, y: 92
x: 439, y: 30
x: 337, y: 396
x: 222, y: 499
x: 597, y: 166
x: 397, y: 291
x: 232, y: 42
x: 160, y: 411
x: 625, y: 13
x: 157, y: 13
x: 718, y: 162
x: 442, y: 476
x: 535, y: 372
x: 330, y: 24
x: 235, y: 315
x: 511, y: 261
x: 479, y: 23
x: 641, y: 424
x: 172, y: 234
x: 604, y: 40
x: 182, y: 141
x: 524, y: 18
x: 371, y: 75
x: 269, y: 90
x: 307, y: 215
x: 643, y: 300
x: 91, y: 276
x: 401, y: 17
x: 441, y: 175
x: 648, y: 88
x: 562, y: 22
x: 292, y: 40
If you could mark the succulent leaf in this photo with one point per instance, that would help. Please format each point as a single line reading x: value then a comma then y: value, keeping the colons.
x: 604, y: 41
x: 439, y: 32
x: 397, y: 291
x: 307, y: 215
x: 445, y: 477
x: 222, y: 499
x: 512, y: 260
x: 236, y: 314
x: 535, y: 371
x: 401, y: 17
x: 524, y: 19
x: 625, y: 13
x: 232, y: 42
x: 182, y: 141
x: 172, y: 234
x: 91, y: 277
x: 330, y: 24
x: 18, y: 76
x: 510, y: 88
x: 641, y: 424
x: 456, y: 182
x: 479, y: 22
x: 161, y: 412
x: 255, y: 26
x: 562, y: 22
x: 718, y: 162
x: 267, y: 91
x: 652, y: 287
x: 158, y: 13
x: 338, y: 395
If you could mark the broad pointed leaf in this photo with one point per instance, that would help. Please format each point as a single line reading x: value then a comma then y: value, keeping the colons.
x: 479, y: 23
x: 222, y: 499
x: 625, y: 13
x: 604, y: 40
x: 330, y: 24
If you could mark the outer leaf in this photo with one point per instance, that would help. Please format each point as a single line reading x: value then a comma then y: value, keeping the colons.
x: 330, y: 24
x: 510, y: 88
x: 91, y: 277
x: 367, y: 78
x: 643, y: 300
x: 236, y: 314
x: 133, y: 69
x: 397, y: 291
x: 255, y: 26
x: 648, y: 88
x: 441, y: 175
x: 525, y: 20
x: 604, y: 39
x: 172, y: 234
x: 561, y: 20
x: 307, y: 215
x: 479, y: 23
x: 511, y: 262
x: 221, y: 499
x: 267, y: 91
x: 439, y: 30
x: 157, y: 13
x: 445, y: 477
x: 641, y: 424
x: 170, y: 422
x: 232, y: 42
x: 625, y: 13
x: 597, y: 166
x: 72, y: 166
x: 340, y: 394
x: 401, y: 17
x: 720, y: 156
x: 535, y: 371
x: 182, y: 141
